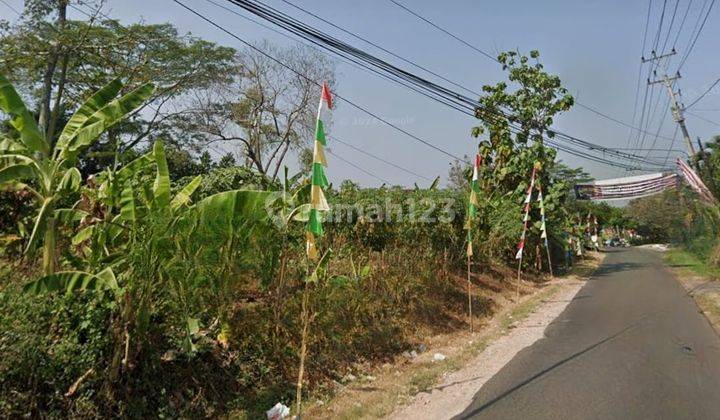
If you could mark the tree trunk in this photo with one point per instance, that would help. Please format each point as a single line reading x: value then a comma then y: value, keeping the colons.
x: 44, y: 117
x: 49, y: 247
x: 55, y: 114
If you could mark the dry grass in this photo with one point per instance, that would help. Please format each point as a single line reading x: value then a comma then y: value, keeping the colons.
x: 381, y: 389
x: 700, y: 279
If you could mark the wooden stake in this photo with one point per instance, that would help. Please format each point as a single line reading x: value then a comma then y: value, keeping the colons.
x: 517, y: 290
x: 549, y: 260
x: 469, y: 290
x: 303, y: 347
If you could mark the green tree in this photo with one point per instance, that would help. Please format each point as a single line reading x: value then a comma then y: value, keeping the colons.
x: 54, y: 62
x: 50, y: 170
x: 513, y: 116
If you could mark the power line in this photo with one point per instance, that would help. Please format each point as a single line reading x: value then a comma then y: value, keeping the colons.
x: 682, y: 24
x: 484, y: 53
x: 11, y: 7
x: 441, y: 29
x: 358, y: 167
x: 672, y: 21
x: 439, y: 93
x: 667, y: 156
x: 378, y: 158
x: 260, y: 51
x: 660, y: 25
x: 704, y: 119
x: 703, y: 95
x: 365, y: 40
x: 619, y: 121
x: 692, y: 45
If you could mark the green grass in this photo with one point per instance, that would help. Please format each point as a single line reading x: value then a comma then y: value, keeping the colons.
x: 681, y: 258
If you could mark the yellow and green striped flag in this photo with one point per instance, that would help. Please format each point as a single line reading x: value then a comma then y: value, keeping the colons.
x: 319, y: 181
x: 473, y: 203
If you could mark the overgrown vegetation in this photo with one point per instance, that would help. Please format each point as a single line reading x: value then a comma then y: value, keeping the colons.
x: 171, y: 284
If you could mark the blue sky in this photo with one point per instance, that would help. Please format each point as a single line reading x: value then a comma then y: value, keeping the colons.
x: 594, y: 46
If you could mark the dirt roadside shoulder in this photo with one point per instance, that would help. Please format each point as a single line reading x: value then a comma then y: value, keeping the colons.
x: 426, y: 388
x: 699, y: 281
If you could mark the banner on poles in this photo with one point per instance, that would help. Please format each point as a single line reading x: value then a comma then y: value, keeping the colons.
x: 626, y: 187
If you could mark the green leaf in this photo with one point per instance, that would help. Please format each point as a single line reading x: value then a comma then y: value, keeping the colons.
x: 134, y: 166
x: 128, y: 208
x: 161, y: 188
x: 83, y: 235
x: 40, y: 222
x: 220, y: 215
x: 21, y: 120
x: 193, y: 326
x: 108, y: 277
x: 183, y: 196
x: 320, y: 267
x: 69, y: 215
x: 364, y: 271
x: 107, y: 116
x: 72, y: 281
x: 70, y: 181
x: 16, y: 173
x: 340, y: 281
x: 301, y: 213
x: 9, y: 145
x: 98, y: 100
x: 13, y: 158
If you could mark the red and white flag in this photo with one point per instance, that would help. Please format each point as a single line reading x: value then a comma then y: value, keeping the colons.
x: 526, y: 217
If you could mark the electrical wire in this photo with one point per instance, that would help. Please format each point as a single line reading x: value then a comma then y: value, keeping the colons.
x: 682, y: 24
x: 260, y: 51
x: 484, y: 53
x: 703, y: 119
x: 366, y: 172
x: 703, y: 95
x: 441, y: 29
x: 672, y: 21
x: 10, y: 6
x: 378, y: 158
x: 697, y: 35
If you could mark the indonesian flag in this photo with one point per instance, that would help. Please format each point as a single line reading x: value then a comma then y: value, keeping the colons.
x: 319, y: 181
x: 473, y: 202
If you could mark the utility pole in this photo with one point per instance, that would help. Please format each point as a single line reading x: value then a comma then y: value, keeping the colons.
x: 676, y: 107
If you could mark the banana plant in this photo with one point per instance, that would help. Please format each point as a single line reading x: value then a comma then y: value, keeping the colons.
x: 30, y: 161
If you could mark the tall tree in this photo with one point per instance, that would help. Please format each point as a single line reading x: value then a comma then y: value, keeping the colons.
x: 268, y: 109
x: 55, y: 62
x: 517, y: 116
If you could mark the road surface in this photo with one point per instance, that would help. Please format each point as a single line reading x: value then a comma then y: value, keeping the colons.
x: 631, y: 345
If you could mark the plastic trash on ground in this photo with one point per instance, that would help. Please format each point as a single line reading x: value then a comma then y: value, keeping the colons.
x: 438, y: 357
x: 278, y: 412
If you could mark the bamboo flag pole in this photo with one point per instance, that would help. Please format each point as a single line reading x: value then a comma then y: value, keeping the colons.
x: 526, y: 218
x: 314, y: 229
x: 472, y: 212
x: 469, y: 290
x: 543, y: 227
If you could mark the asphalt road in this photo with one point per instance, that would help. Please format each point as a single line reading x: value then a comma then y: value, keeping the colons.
x: 631, y: 345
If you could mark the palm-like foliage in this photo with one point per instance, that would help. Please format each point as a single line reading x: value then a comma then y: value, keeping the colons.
x: 30, y: 161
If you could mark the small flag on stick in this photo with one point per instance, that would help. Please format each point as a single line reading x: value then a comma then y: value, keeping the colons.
x: 526, y: 217
x: 473, y: 202
x: 318, y: 202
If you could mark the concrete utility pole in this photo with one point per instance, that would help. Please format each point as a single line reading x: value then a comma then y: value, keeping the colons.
x: 676, y: 106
